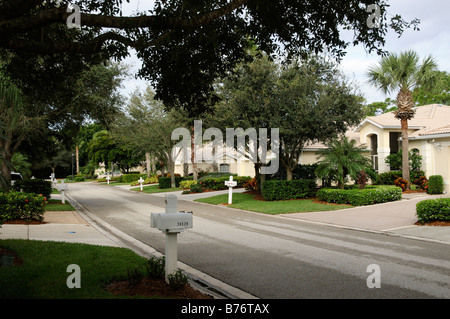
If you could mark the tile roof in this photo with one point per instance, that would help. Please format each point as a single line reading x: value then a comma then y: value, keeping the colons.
x: 427, y: 118
x: 430, y: 119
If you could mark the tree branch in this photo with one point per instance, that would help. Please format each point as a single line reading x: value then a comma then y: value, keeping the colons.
x: 60, y: 15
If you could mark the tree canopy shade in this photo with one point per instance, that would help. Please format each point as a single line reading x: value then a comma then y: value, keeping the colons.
x: 185, y: 45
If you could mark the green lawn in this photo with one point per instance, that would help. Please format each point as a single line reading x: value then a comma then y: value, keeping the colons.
x: 43, y: 273
x: 247, y: 202
x: 57, y: 205
x: 155, y: 189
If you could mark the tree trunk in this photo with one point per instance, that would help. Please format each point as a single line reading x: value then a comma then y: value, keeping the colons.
x: 405, y: 152
x: 5, y: 168
x: 148, y: 163
x: 194, y: 164
x: 77, y: 159
x: 289, y: 173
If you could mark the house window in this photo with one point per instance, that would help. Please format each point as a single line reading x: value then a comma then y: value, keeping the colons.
x: 374, y: 151
x: 224, y: 168
x: 394, y: 143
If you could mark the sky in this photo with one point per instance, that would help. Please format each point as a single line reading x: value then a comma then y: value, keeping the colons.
x: 432, y: 39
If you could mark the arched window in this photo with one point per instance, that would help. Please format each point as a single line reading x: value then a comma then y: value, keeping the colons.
x: 224, y: 168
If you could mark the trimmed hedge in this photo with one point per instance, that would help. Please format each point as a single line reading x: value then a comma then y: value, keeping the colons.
x: 435, y: 184
x: 293, y: 189
x: 128, y: 178
x: 165, y: 182
x: 433, y: 210
x: 218, y: 183
x: 360, y: 197
x: 17, y: 205
x: 36, y: 186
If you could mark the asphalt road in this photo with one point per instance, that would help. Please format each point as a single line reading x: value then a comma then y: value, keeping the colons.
x: 273, y: 257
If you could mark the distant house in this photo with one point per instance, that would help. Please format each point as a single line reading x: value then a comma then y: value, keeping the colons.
x: 429, y: 134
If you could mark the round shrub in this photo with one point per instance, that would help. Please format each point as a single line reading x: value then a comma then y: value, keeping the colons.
x: 435, y: 184
x: 18, y: 205
x: 433, y: 210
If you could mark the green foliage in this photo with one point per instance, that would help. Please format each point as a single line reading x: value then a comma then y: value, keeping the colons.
x: 433, y: 210
x: 151, y: 180
x: 218, y: 183
x: 196, y: 188
x: 395, y: 160
x: 18, y: 205
x: 435, y: 184
x: 128, y: 178
x: 294, y: 189
x: 36, y: 186
x: 342, y: 158
x: 388, y: 178
x: 360, y: 197
x: 187, y: 184
x: 155, y: 267
x: 79, y: 179
x: 165, y: 182
x: 178, y: 280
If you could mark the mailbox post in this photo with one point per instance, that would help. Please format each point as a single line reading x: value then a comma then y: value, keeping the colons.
x: 62, y: 189
x: 230, y: 185
x: 107, y: 179
x: 171, y: 223
x: 141, y: 181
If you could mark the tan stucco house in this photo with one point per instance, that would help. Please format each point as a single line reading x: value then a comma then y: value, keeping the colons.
x: 429, y: 134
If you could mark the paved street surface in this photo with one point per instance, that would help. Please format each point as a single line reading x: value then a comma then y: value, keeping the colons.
x: 277, y: 256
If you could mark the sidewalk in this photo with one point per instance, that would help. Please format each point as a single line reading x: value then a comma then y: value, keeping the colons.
x: 395, y: 218
x: 68, y: 226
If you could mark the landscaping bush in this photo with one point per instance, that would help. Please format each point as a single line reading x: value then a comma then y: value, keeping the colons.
x: 151, y: 180
x: 251, y: 185
x: 435, y: 184
x: 165, y: 182
x: 18, y: 205
x: 196, y: 188
x: 187, y: 184
x: 400, y: 182
x: 283, y: 190
x: 128, y: 178
x: 79, y: 178
x: 360, y: 197
x: 433, y: 210
x: 388, y: 178
x: 218, y: 183
x: 36, y: 186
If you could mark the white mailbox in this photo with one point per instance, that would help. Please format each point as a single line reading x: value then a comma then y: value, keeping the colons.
x: 171, y: 222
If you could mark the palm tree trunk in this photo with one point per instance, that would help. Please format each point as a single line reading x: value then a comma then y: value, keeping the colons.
x: 405, y: 151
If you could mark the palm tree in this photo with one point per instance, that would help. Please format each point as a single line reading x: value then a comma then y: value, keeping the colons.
x: 341, y: 158
x: 402, y: 74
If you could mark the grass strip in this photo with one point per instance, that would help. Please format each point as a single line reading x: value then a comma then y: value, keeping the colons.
x: 248, y: 202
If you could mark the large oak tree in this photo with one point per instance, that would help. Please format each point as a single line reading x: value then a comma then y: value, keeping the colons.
x: 185, y: 45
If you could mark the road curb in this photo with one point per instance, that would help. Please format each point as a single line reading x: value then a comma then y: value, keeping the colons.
x: 199, y: 280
